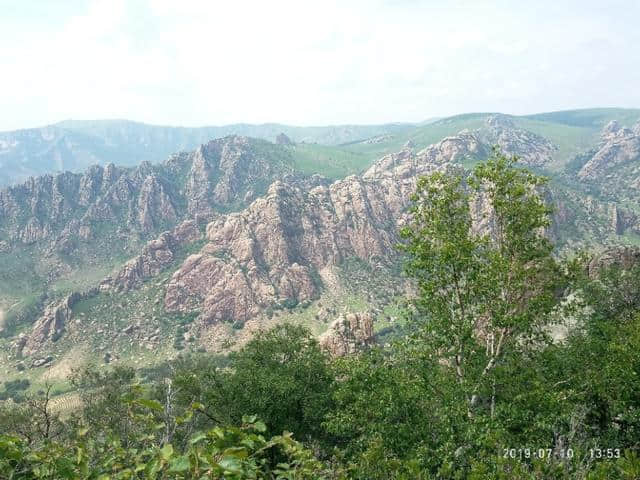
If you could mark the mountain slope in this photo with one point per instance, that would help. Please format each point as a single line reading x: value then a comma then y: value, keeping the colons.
x: 346, y: 149
x: 61, y: 232
x: 276, y: 246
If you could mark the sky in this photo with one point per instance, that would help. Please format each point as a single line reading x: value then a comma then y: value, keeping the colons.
x: 305, y: 62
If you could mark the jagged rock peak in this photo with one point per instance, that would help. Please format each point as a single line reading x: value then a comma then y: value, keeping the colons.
x: 611, y: 129
x: 444, y: 154
x: 532, y: 149
x: 273, y: 251
x: 620, y: 146
x: 58, y: 210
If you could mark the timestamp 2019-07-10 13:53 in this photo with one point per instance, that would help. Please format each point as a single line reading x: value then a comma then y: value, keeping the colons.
x: 526, y: 453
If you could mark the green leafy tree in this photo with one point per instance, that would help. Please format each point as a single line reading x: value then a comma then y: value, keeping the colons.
x: 230, y: 453
x: 281, y: 375
x: 486, y: 277
x: 105, y: 397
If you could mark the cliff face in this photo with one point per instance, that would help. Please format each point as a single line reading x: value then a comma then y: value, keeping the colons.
x: 66, y: 207
x: 56, y: 228
x: 281, y: 247
x: 278, y: 250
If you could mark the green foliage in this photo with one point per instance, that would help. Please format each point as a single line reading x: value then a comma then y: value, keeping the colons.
x: 14, y: 389
x: 500, y: 282
x: 281, y: 375
x: 223, y: 453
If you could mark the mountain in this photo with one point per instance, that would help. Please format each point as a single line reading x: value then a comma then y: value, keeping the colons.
x: 346, y: 149
x: 75, y: 145
x: 62, y: 232
x: 572, y: 132
x: 198, y: 252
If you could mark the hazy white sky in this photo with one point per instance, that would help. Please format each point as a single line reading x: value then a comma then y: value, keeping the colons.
x: 208, y: 62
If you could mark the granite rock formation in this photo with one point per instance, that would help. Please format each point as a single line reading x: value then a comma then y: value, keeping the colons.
x: 623, y: 257
x: 51, y: 325
x: 155, y: 257
x: 618, y: 152
x: 348, y: 334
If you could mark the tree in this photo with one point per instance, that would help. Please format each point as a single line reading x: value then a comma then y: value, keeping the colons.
x: 33, y: 419
x: 485, y: 275
x: 106, y: 398
x: 281, y: 375
x: 602, y: 356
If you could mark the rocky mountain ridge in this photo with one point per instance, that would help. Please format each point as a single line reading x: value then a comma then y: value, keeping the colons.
x: 612, y: 167
x: 75, y: 145
x: 143, y: 199
x: 285, y: 248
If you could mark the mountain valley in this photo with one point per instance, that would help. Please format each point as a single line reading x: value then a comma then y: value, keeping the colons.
x: 135, y: 265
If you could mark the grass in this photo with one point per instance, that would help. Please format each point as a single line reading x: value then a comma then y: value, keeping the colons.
x: 329, y: 161
x: 594, y: 118
x: 421, y: 136
x: 570, y: 140
x: 337, y: 162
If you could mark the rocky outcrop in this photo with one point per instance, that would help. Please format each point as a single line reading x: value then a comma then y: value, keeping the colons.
x: 59, y: 210
x: 624, y: 257
x: 51, y: 325
x: 378, y: 139
x: 283, y: 139
x: 155, y: 207
x: 532, y: 149
x: 619, y: 148
x: 272, y: 253
x: 224, y: 170
x: 348, y: 334
x: 279, y: 251
x: 155, y: 257
x: 75, y: 145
